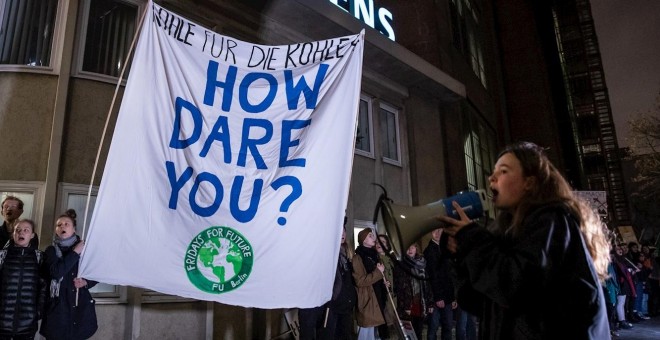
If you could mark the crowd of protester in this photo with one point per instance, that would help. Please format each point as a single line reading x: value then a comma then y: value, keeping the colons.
x: 384, y: 294
x: 633, y: 286
x: 36, y: 285
x: 507, y: 280
x: 469, y: 282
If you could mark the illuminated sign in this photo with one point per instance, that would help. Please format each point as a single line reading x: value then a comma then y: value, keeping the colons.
x: 365, y: 11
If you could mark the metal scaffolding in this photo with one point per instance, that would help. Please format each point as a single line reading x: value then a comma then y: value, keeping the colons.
x: 589, y: 106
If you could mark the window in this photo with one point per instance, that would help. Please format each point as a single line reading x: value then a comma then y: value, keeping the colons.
x: 389, y: 133
x: 108, y: 30
x: 479, y: 147
x: 467, y: 38
x: 26, y: 31
x: 74, y: 196
x: 479, y: 151
x: 363, y: 138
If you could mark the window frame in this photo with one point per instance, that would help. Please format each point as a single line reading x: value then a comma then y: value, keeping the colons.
x: 81, y: 36
x: 467, y: 35
x: 479, y: 138
x: 56, y: 46
x: 395, y: 111
x: 369, y: 154
x: 119, y: 293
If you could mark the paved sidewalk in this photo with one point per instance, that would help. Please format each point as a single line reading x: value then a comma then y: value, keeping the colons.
x: 645, y: 330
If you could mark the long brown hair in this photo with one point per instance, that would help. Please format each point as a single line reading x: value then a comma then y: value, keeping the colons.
x: 550, y: 187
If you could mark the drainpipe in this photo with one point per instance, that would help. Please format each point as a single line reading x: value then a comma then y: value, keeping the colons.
x: 67, y: 13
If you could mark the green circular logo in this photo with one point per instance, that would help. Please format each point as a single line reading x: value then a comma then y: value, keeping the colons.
x: 219, y: 260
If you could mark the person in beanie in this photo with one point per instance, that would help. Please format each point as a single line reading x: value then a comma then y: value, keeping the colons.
x: 70, y: 313
x: 371, y: 289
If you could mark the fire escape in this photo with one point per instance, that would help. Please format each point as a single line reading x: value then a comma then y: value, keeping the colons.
x: 589, y: 106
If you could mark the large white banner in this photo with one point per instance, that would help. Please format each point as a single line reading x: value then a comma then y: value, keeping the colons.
x: 229, y: 169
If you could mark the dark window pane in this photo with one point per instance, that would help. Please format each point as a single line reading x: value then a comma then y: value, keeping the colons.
x: 26, y: 31
x: 110, y: 30
x: 363, y: 138
x: 389, y: 138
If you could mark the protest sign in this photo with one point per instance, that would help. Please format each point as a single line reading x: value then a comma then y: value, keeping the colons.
x: 229, y: 169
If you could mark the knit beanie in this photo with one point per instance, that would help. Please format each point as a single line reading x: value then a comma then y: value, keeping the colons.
x: 363, y: 234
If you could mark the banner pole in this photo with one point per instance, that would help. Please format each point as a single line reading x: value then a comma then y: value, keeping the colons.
x: 107, y: 120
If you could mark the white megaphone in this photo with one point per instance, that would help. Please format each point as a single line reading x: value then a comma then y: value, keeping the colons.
x: 405, y: 224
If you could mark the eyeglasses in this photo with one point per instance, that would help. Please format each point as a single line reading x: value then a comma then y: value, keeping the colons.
x: 7, y: 206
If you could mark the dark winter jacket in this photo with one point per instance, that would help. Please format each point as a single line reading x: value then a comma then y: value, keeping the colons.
x: 5, y: 236
x: 62, y: 319
x: 625, y: 279
x: 438, y: 268
x: 344, y: 296
x: 412, y: 289
x: 540, y: 285
x: 22, y: 290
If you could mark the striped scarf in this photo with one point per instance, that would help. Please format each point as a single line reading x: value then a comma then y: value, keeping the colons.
x: 57, y: 243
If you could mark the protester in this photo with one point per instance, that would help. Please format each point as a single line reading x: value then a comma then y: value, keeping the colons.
x: 641, y: 276
x: 340, y: 319
x: 414, y: 300
x: 70, y: 312
x: 310, y: 322
x: 22, y: 286
x: 466, y: 325
x: 12, y: 208
x: 371, y: 289
x: 611, y: 291
x: 625, y: 263
x: 438, y: 266
x: 536, y: 273
x: 633, y: 251
x: 653, y: 286
x: 334, y: 319
x: 626, y: 287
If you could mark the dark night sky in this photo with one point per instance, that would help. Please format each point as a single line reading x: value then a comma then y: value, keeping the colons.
x: 629, y: 39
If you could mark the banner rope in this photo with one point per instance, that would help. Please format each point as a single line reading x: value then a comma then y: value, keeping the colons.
x: 107, y: 120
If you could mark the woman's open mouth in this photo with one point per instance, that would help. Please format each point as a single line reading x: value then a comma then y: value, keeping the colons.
x: 495, y: 193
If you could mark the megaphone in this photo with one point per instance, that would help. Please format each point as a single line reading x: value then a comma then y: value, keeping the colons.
x: 405, y: 224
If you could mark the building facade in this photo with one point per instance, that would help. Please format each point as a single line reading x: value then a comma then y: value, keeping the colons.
x: 445, y: 83
x: 557, y: 95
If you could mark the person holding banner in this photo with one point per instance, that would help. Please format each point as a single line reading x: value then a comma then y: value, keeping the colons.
x: 70, y: 312
x: 340, y: 313
x: 371, y: 289
x: 537, y: 272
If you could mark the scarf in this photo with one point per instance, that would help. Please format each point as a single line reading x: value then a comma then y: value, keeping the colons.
x: 57, y: 244
x: 417, y: 266
x: 370, y: 258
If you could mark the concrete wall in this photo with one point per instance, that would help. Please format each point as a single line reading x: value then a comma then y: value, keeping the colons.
x: 26, y: 108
